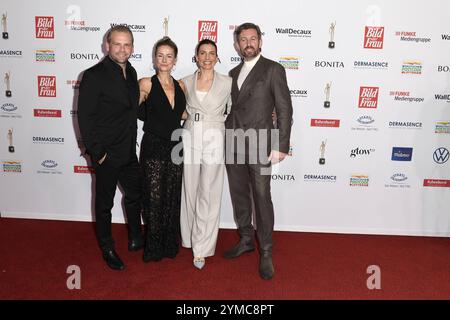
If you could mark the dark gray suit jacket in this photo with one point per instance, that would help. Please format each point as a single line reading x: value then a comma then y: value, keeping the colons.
x: 264, y: 90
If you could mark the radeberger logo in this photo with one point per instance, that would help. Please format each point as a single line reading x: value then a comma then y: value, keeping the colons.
x: 399, y: 177
x: 8, y: 107
x: 398, y: 180
x: 45, y: 27
x: 365, y: 120
x: 49, y: 167
x: 49, y: 164
x: 365, y: 123
x: 9, y: 110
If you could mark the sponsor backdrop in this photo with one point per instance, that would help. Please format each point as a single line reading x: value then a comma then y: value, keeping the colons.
x: 369, y: 82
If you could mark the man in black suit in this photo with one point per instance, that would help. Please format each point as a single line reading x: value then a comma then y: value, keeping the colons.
x: 107, y: 117
x: 259, y: 87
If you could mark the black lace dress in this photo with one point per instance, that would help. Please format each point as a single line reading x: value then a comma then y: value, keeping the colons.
x: 162, y: 175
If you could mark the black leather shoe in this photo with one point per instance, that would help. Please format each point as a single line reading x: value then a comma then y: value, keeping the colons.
x: 240, y: 248
x: 135, y: 245
x: 266, y: 269
x: 112, y: 260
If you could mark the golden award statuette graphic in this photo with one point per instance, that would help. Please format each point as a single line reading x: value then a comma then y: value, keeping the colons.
x: 322, y: 152
x: 327, y: 91
x: 10, y: 140
x: 166, y: 26
x: 331, y: 44
x: 5, y: 34
x: 8, y: 84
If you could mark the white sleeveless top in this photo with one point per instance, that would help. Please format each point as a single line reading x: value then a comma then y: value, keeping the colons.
x: 201, y: 95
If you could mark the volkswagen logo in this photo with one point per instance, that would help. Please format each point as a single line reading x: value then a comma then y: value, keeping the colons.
x: 441, y: 155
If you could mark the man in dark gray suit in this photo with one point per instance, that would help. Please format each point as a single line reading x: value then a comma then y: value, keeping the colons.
x: 259, y: 88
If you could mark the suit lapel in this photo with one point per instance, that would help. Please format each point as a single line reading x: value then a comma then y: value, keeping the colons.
x: 234, y: 87
x: 193, y: 90
x: 252, y: 78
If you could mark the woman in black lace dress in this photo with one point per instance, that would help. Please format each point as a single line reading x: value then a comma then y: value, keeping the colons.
x: 162, y: 103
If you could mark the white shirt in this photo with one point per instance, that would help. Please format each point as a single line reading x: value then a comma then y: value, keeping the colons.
x: 245, y: 70
x: 201, y: 95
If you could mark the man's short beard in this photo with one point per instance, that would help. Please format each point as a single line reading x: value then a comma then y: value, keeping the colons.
x: 250, y: 56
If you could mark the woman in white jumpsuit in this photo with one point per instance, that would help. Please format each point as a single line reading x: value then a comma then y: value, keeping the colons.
x: 207, y: 99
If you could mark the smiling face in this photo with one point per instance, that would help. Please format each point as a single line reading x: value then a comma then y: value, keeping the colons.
x: 206, y: 57
x: 165, y: 58
x: 249, y: 44
x: 120, y: 47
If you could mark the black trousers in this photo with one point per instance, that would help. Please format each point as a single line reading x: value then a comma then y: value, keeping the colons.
x: 250, y: 185
x: 107, y: 178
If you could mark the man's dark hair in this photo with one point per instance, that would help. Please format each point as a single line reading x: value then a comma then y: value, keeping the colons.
x: 166, y: 41
x: 246, y: 26
x: 119, y: 28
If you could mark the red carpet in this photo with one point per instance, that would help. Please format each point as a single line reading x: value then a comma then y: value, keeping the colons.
x: 35, y: 254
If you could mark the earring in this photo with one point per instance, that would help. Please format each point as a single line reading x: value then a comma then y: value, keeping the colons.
x: 218, y: 59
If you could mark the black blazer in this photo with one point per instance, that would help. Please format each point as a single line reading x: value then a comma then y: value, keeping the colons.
x: 264, y: 90
x: 107, y: 111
